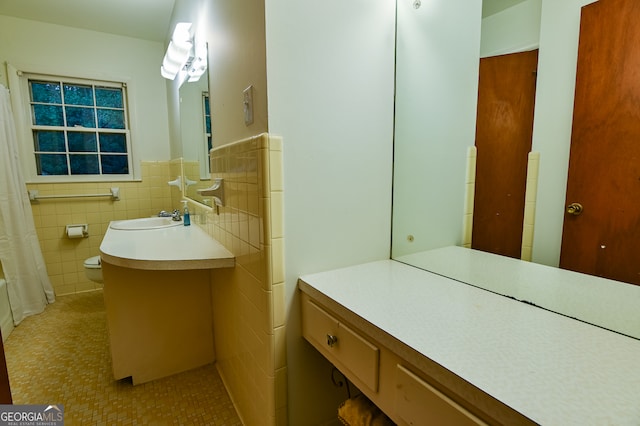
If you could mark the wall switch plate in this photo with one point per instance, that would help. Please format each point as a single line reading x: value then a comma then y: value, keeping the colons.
x: 247, y: 104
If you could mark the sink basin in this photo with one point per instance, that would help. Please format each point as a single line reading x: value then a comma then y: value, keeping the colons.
x: 145, y: 223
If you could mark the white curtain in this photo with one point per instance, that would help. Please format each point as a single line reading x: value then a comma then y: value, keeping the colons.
x: 28, y: 285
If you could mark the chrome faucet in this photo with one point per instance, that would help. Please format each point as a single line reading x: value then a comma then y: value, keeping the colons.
x: 175, y: 215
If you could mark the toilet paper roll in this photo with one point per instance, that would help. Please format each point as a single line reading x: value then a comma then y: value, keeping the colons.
x: 75, y: 232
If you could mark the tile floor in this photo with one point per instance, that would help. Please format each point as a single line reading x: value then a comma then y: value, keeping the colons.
x: 62, y: 357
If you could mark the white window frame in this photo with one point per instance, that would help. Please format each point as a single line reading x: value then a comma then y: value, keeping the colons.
x: 20, y: 97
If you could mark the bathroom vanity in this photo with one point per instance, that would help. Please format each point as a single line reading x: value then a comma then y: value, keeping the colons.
x: 157, y: 295
x: 426, y: 348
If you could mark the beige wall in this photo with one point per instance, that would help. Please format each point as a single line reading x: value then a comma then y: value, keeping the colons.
x: 235, y: 34
x: 248, y: 300
x: 237, y: 59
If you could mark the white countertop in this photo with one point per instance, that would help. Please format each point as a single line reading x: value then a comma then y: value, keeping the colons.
x: 172, y: 248
x: 603, y: 302
x: 550, y: 368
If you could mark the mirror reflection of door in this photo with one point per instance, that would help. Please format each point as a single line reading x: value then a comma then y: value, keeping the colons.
x: 506, y: 95
x: 604, y: 164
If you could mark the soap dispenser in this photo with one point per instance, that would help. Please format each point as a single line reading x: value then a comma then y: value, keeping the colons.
x: 186, y: 220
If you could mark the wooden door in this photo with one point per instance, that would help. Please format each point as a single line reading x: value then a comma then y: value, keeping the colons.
x: 604, y: 165
x: 5, y: 389
x: 506, y: 96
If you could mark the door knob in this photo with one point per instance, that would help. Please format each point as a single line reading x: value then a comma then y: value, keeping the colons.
x: 574, y: 209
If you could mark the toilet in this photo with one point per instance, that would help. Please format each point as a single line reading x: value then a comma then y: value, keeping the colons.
x: 92, y: 269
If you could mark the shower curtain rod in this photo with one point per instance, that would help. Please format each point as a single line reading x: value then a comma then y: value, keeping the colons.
x: 114, y: 194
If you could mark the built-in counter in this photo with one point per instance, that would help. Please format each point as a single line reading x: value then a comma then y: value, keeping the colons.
x: 157, y: 291
x: 465, y: 352
x: 171, y: 248
x: 598, y: 301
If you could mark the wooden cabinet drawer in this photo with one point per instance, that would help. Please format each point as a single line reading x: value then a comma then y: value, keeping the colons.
x: 419, y: 403
x: 341, y: 345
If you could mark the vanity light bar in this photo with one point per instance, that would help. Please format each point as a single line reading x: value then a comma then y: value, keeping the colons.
x: 178, y: 52
x: 198, y: 65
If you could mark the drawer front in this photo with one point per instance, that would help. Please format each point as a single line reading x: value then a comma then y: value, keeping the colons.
x: 419, y: 403
x: 359, y: 356
x: 340, y: 344
x: 317, y: 324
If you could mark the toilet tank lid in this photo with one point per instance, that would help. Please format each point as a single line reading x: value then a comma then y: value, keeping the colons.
x: 92, y: 262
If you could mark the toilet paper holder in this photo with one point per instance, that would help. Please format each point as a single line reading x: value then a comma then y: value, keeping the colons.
x: 80, y: 230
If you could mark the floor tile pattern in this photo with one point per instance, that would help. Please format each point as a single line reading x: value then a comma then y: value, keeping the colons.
x: 62, y: 357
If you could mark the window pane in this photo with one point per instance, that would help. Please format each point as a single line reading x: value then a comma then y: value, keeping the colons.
x: 78, y: 95
x: 207, y: 115
x: 46, y: 92
x: 109, y: 97
x: 110, y: 119
x: 51, y: 164
x: 84, y: 164
x: 113, y: 142
x: 48, y: 141
x: 82, y: 142
x: 115, y: 164
x: 77, y: 116
x: 47, y: 115
x: 66, y: 118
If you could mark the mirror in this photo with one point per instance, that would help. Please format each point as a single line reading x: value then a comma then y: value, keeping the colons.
x: 195, y: 131
x: 437, y: 61
x: 438, y: 49
x: 437, y: 69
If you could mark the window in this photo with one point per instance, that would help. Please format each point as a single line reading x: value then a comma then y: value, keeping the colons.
x: 206, y: 109
x: 79, y: 127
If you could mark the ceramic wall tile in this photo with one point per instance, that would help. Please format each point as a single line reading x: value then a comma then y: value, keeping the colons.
x: 250, y: 341
x: 52, y: 215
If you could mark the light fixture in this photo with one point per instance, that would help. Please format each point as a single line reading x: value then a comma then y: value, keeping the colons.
x: 198, y: 65
x: 179, y: 52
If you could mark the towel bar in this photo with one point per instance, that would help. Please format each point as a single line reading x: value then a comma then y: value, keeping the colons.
x: 114, y: 194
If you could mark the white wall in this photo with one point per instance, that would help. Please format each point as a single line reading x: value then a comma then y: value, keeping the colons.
x: 36, y: 46
x: 516, y: 29
x: 330, y: 96
x: 436, y: 96
x: 559, y: 33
